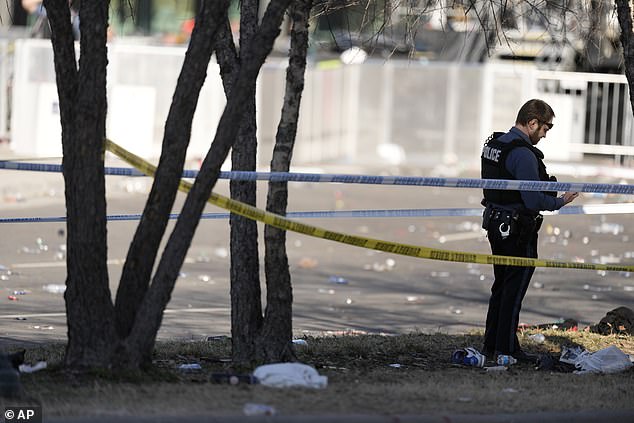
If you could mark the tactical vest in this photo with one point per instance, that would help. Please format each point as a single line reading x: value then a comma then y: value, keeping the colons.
x: 494, y: 155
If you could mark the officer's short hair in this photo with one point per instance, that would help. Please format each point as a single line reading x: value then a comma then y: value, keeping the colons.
x: 534, y: 109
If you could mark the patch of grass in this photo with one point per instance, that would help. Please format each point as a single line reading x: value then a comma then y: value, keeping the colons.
x: 367, y: 374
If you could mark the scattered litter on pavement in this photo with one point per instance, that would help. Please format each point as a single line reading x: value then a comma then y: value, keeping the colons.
x: 54, y: 288
x: 587, y: 287
x: 221, y: 252
x: 203, y: 258
x: 607, y: 228
x: 395, y: 365
x: 307, y: 263
x: 286, y: 375
x: 413, y: 299
x: 338, y: 280
x: 389, y: 264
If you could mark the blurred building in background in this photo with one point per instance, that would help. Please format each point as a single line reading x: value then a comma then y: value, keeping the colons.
x: 421, y: 84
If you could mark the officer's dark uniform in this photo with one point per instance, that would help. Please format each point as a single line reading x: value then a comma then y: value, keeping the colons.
x: 512, y: 221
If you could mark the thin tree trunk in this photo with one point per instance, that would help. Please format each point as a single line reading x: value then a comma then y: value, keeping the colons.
x: 141, y: 341
x: 275, y: 341
x: 145, y: 244
x: 82, y: 98
x: 246, y: 296
x: 624, y: 9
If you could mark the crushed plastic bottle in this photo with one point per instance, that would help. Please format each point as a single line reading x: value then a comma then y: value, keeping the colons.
x: 338, y: 280
x: 252, y: 409
x: 506, y: 360
x: 538, y: 338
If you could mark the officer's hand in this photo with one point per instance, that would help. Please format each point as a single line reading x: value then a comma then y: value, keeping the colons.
x: 569, y: 196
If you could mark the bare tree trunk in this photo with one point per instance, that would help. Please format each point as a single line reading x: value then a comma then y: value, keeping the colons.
x: 624, y: 10
x: 82, y: 99
x: 275, y: 341
x: 141, y: 341
x: 143, y: 250
x: 246, y: 301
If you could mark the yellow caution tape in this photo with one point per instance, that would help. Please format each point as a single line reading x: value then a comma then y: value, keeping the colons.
x: 281, y: 222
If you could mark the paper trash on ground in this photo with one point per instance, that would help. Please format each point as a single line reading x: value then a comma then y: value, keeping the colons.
x: 606, y: 360
x: 286, y: 375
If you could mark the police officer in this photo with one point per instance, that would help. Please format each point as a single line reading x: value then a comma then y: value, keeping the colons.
x: 512, y: 220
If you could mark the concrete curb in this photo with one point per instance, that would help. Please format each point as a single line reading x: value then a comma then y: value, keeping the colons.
x: 541, y: 417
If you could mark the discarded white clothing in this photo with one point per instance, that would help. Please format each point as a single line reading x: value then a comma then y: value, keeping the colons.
x: 285, y: 375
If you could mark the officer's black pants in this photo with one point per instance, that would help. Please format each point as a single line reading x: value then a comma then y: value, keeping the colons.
x: 508, y: 290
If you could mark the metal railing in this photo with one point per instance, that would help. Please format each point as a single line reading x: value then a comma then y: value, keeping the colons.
x: 5, y: 87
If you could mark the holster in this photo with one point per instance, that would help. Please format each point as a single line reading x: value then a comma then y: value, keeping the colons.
x: 529, y: 225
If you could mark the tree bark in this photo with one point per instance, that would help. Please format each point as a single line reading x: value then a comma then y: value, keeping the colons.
x: 142, y: 337
x: 147, y: 238
x: 246, y: 295
x: 624, y: 9
x: 82, y: 99
x: 275, y: 341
